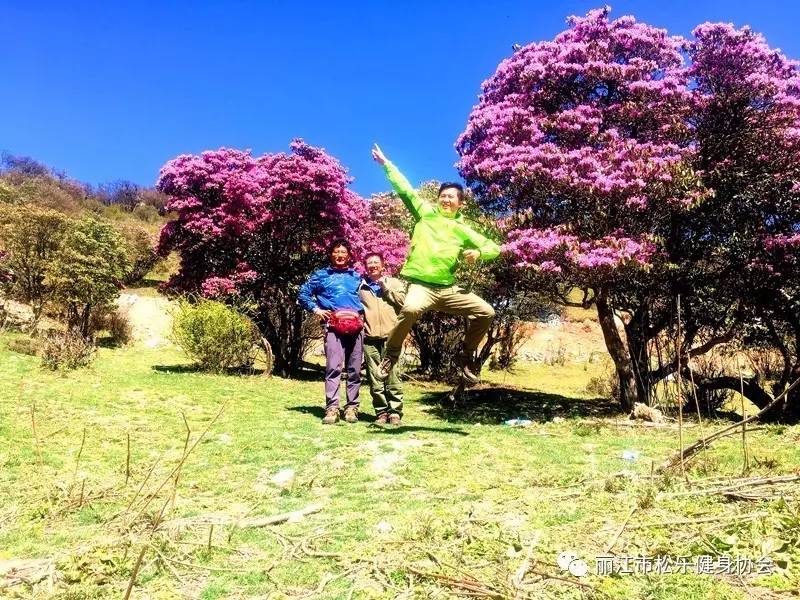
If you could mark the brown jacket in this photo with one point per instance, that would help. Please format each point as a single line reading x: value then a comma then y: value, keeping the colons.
x: 380, y: 314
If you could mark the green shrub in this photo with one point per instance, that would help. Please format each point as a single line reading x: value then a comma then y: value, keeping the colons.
x: 30, y: 237
x: 115, y: 321
x: 146, y: 213
x: 214, y: 335
x: 24, y: 345
x: 86, y: 272
x: 139, y: 251
x: 119, y: 325
x: 606, y: 384
x: 66, y: 350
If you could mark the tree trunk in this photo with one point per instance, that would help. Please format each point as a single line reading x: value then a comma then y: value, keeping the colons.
x: 639, y: 357
x: 282, y: 327
x: 787, y: 411
x: 790, y: 407
x: 628, y: 390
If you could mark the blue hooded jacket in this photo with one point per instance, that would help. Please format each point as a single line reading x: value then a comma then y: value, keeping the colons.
x: 331, y: 289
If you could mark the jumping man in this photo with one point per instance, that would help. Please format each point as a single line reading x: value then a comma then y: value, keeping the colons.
x: 440, y: 238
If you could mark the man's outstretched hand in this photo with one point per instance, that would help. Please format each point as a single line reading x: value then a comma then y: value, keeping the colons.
x: 378, y: 156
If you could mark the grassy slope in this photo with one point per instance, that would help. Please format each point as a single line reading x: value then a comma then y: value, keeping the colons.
x: 440, y: 488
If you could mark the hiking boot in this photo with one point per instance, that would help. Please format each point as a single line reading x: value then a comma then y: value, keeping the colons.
x: 394, y: 419
x: 468, y: 368
x: 331, y: 415
x: 385, y: 368
x: 382, y: 419
x: 351, y: 414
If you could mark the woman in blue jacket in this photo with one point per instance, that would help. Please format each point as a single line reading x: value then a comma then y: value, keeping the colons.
x: 332, y: 294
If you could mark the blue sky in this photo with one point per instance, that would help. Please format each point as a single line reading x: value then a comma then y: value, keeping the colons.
x: 112, y: 90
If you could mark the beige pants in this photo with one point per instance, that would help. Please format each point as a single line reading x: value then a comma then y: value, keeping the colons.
x: 452, y: 300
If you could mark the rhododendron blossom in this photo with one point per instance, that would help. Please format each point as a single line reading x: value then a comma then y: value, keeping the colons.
x: 589, y: 130
x: 553, y: 250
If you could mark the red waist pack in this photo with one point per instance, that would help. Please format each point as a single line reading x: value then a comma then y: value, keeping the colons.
x: 346, y: 322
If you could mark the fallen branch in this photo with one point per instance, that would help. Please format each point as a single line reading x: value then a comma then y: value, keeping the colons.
x: 169, y: 559
x: 650, y: 424
x: 519, y: 576
x: 740, y: 496
x: 691, y: 450
x: 748, y: 483
x: 17, y: 571
x: 241, y: 523
x: 613, y: 540
x: 325, y: 580
x: 473, y: 586
x: 36, y: 435
x: 128, y: 459
x: 745, y: 517
x: 546, y: 575
x: 309, y: 551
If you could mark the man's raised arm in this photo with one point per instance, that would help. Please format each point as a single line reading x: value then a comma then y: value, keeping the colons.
x: 416, y: 205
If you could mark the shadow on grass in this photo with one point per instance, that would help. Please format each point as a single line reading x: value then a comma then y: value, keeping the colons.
x: 308, y: 372
x: 497, y: 404
x: 319, y: 411
x: 403, y: 428
x: 192, y: 368
x: 108, y: 341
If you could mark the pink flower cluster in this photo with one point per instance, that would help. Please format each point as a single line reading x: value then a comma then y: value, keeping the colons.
x: 245, y: 221
x: 591, y: 143
x: 556, y: 250
x: 596, y: 112
x: 784, y: 242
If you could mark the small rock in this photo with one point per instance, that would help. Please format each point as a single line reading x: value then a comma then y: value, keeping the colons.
x: 383, y: 463
x: 646, y: 413
x: 630, y: 455
x: 384, y: 527
x: 283, y: 478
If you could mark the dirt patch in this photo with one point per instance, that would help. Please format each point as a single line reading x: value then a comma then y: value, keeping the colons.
x: 149, y: 317
x: 559, y: 342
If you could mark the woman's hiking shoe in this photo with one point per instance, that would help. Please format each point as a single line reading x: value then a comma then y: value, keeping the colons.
x: 394, y: 419
x: 331, y: 415
x: 351, y: 414
x: 385, y: 368
x: 382, y: 419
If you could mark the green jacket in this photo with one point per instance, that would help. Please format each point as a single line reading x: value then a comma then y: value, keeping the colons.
x: 438, y: 240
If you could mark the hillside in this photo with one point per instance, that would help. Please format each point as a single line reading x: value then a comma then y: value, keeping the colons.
x: 454, y: 503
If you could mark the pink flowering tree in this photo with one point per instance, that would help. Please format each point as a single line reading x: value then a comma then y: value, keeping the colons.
x: 625, y: 173
x: 747, y: 124
x: 250, y: 230
x: 583, y: 143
